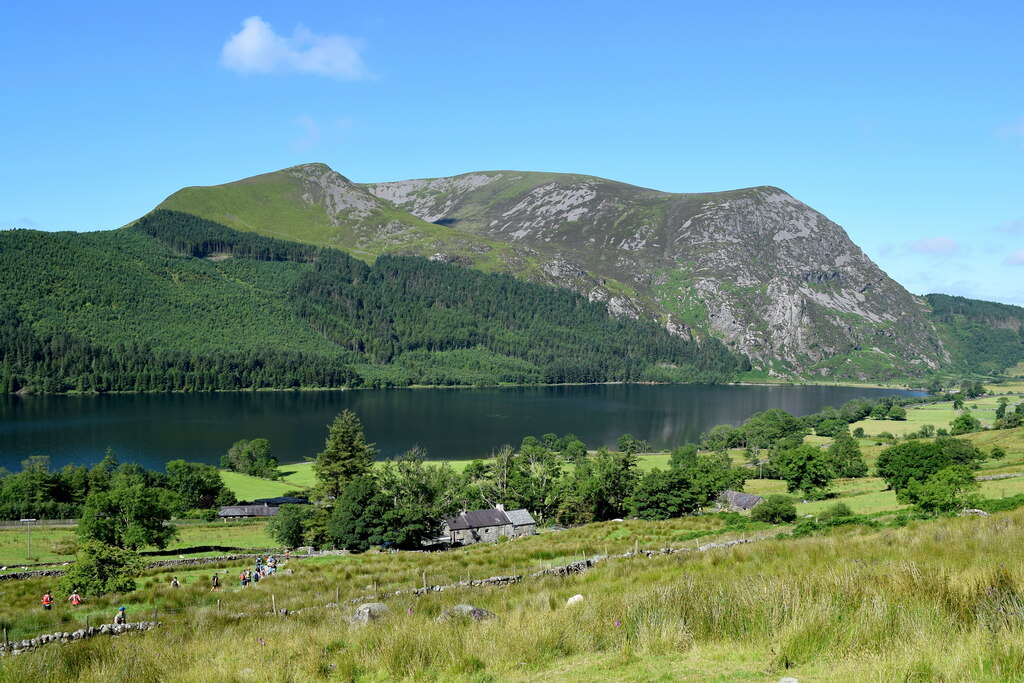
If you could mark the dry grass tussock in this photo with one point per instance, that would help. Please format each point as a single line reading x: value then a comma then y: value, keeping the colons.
x: 937, y: 600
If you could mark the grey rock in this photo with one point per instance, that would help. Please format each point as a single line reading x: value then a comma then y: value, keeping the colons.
x: 367, y: 612
x: 465, y: 611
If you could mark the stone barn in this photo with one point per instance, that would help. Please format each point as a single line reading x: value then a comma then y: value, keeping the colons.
x: 483, y: 526
x: 738, y: 501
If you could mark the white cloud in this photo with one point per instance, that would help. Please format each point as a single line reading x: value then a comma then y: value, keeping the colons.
x: 258, y: 49
x: 935, y: 245
x: 1016, y: 258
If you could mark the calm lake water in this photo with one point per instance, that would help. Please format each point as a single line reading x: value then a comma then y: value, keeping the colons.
x: 151, y: 429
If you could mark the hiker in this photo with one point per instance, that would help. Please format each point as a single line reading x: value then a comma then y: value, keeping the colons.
x: 120, y: 617
x: 47, y: 600
x: 174, y: 582
x: 244, y: 578
x: 256, y: 577
x: 75, y: 598
x: 216, y: 582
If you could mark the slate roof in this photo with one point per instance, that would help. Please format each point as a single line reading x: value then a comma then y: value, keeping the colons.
x: 247, y: 511
x: 520, y: 517
x: 476, y: 519
x: 743, y: 501
x: 281, y: 500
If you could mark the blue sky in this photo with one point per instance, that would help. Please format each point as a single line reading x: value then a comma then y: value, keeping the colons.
x: 903, y: 122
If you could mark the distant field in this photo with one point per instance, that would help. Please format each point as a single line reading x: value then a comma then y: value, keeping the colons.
x: 250, y: 488
x: 300, y: 475
x: 936, y: 414
x: 51, y: 544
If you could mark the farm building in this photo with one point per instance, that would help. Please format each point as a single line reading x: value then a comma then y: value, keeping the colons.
x: 478, y: 526
x: 738, y: 501
x: 264, y: 507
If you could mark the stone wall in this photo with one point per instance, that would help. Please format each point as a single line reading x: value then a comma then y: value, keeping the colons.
x: 17, y: 647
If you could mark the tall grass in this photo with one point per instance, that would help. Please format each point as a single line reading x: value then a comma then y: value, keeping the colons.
x: 937, y: 600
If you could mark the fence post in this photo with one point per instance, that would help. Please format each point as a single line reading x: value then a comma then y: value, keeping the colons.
x: 424, y: 579
x: 6, y: 642
x: 218, y: 605
x: 86, y: 622
x: 156, y: 613
x: 273, y: 603
x: 337, y: 593
x: 636, y: 547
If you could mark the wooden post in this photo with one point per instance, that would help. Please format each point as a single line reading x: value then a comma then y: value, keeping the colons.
x: 636, y: 547
x: 273, y: 602
x: 6, y: 642
x: 86, y: 622
x: 218, y: 605
x: 156, y: 613
x: 424, y: 579
x: 337, y: 593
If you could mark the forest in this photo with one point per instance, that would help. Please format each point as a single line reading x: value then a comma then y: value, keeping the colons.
x: 179, y: 303
x: 986, y: 337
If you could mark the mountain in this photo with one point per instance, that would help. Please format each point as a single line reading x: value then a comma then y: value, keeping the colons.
x: 983, y: 337
x: 177, y: 302
x: 774, y: 279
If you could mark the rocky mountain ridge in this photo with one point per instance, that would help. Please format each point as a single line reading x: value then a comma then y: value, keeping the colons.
x: 775, y: 279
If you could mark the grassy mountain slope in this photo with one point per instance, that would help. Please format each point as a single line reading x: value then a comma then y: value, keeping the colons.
x: 179, y: 302
x: 983, y: 337
x: 774, y: 279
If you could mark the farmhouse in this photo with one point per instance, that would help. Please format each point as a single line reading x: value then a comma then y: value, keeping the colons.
x: 478, y: 526
x: 737, y: 501
x: 264, y: 507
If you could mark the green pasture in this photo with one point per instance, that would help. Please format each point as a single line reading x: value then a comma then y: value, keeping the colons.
x: 58, y: 544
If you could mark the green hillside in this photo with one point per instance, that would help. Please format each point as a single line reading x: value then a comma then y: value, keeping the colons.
x: 983, y: 337
x: 176, y: 302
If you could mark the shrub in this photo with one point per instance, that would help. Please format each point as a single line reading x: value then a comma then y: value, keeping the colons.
x: 834, y: 512
x: 775, y: 510
x: 101, y: 568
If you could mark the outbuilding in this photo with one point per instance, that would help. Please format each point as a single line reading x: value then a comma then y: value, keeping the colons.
x: 481, y: 526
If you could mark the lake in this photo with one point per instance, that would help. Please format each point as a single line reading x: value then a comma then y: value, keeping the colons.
x: 151, y: 429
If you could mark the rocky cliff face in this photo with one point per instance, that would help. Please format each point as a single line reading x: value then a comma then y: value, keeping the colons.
x: 755, y: 267
x: 773, y: 277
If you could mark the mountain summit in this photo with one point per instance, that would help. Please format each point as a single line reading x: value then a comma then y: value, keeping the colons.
x: 769, y: 275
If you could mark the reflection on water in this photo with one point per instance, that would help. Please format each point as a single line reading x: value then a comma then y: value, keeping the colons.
x: 152, y: 429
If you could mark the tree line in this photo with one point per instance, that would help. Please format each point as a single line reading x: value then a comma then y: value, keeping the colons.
x: 179, y: 303
x: 401, y: 502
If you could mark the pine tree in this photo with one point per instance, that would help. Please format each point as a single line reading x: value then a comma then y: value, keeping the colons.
x: 346, y: 455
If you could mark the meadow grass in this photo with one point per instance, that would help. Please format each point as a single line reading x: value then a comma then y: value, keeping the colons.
x: 246, y: 487
x: 58, y: 544
x: 935, y: 600
x: 300, y: 475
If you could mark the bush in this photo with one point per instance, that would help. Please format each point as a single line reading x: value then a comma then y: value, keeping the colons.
x: 833, y: 512
x: 101, y: 568
x: 775, y: 510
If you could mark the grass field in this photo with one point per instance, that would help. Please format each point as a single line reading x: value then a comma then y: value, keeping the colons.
x: 936, y: 600
x: 300, y: 475
x: 935, y: 414
x: 57, y: 544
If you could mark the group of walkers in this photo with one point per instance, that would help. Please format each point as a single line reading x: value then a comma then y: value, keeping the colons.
x: 262, y: 571
x: 76, y: 599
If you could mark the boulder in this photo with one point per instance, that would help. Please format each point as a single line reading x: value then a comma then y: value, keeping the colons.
x: 466, y: 612
x: 574, y: 600
x: 370, y: 611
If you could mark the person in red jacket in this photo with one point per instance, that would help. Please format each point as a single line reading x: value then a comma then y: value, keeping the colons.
x: 75, y: 598
x: 47, y: 600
